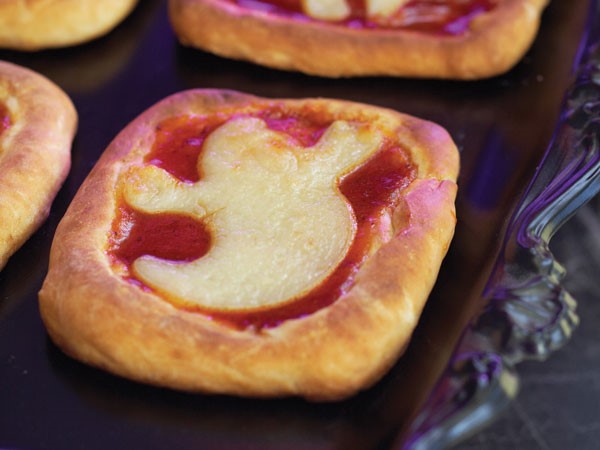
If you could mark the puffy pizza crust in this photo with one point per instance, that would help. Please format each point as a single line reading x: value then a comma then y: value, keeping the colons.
x: 494, y: 43
x: 35, y: 152
x: 39, y: 24
x: 101, y: 319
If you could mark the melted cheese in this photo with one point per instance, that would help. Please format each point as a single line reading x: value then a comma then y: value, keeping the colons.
x: 383, y: 8
x: 280, y: 226
x: 326, y: 9
x: 335, y: 10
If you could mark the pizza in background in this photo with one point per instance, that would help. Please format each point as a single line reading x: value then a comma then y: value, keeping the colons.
x: 37, y: 125
x: 39, y: 24
x: 456, y: 39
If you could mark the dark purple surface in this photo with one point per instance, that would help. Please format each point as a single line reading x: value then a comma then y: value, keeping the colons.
x: 501, y: 126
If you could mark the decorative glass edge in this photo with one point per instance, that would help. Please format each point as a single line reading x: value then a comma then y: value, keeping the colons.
x: 527, y: 313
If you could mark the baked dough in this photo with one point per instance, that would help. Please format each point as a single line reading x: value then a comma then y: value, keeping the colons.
x: 134, y: 323
x: 35, y: 152
x: 493, y: 42
x: 39, y: 24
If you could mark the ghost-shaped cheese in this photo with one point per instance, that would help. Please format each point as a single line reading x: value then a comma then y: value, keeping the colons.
x: 278, y: 221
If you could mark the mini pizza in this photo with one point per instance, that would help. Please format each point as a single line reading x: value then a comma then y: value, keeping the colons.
x: 37, y: 124
x: 226, y: 243
x: 456, y: 39
x: 39, y: 24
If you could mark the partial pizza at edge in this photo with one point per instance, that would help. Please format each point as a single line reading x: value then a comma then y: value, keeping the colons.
x: 37, y: 125
x: 40, y: 24
x: 361, y: 198
x: 489, y: 39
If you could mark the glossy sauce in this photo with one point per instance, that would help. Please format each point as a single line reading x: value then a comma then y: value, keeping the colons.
x: 174, y: 237
x: 179, y: 139
x: 445, y: 17
x: 177, y: 237
x: 5, y: 121
x: 178, y: 143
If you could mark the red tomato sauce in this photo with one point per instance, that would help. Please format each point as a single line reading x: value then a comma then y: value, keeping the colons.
x: 174, y: 237
x: 5, y: 121
x: 179, y: 140
x: 445, y: 17
x: 178, y: 143
x: 180, y: 238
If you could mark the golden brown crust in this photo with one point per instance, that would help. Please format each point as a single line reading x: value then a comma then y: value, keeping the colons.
x: 494, y: 43
x: 105, y: 321
x: 38, y: 24
x: 35, y: 152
